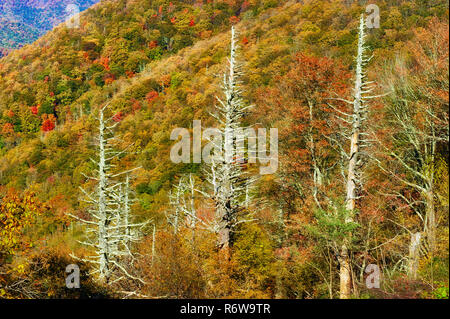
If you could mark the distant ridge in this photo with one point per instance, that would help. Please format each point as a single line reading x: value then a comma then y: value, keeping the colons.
x: 23, y: 21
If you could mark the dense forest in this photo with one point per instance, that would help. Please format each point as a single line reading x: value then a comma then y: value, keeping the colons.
x: 87, y: 116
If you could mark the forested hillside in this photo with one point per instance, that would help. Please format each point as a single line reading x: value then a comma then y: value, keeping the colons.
x: 362, y: 176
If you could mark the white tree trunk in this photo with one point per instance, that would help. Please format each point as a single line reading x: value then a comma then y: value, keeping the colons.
x: 414, y: 254
x: 103, y: 222
x: 354, y: 165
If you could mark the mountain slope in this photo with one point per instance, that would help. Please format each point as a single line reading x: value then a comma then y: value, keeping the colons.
x: 67, y: 75
x: 158, y: 64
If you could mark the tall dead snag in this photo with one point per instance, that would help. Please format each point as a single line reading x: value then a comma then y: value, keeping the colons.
x: 358, y: 134
x: 224, y: 157
x: 109, y: 230
x: 226, y: 176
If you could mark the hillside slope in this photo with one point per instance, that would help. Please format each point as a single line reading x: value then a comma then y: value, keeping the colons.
x: 69, y: 74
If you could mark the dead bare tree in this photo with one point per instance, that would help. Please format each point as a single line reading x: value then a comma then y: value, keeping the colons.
x: 109, y: 231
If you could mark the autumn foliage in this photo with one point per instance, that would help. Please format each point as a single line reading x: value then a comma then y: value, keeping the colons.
x: 158, y: 65
x: 48, y: 123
